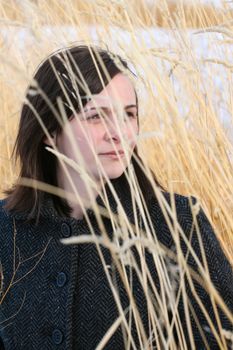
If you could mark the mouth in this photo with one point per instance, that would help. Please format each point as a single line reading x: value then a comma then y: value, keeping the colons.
x: 113, y: 155
x: 119, y: 153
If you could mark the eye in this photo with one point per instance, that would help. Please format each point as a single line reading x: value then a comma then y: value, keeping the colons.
x: 93, y: 117
x: 131, y: 114
x: 96, y: 117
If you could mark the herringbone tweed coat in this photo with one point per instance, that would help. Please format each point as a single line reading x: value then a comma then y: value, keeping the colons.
x: 58, y: 297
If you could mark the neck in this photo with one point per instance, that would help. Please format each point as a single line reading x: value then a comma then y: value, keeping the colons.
x: 79, y: 187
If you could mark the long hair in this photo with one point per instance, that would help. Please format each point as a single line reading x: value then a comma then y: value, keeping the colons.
x: 53, y: 82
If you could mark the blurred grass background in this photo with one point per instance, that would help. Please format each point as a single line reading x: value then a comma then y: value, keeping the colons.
x: 182, y: 94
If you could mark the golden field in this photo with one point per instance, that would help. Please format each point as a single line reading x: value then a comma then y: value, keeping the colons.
x: 181, y: 53
x: 190, y: 154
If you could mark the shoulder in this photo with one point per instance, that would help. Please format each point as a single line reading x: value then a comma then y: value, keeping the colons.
x: 6, y: 239
x: 4, y: 214
x: 174, y: 205
x: 181, y: 201
x: 6, y: 222
x: 183, y: 216
x: 171, y: 211
x: 187, y: 211
x: 2, y: 204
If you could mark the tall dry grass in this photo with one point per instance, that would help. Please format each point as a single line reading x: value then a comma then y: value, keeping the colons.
x: 182, y: 136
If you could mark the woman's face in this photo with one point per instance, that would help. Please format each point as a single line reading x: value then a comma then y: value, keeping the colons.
x: 107, y: 121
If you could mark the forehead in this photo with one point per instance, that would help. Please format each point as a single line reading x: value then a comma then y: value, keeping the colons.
x: 119, y: 91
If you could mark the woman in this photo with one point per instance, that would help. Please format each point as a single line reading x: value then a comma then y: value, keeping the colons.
x: 137, y: 278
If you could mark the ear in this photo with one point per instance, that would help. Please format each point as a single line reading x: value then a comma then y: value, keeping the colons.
x: 50, y: 141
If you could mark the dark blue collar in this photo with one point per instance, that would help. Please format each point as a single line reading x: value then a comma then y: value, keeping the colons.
x: 48, y: 209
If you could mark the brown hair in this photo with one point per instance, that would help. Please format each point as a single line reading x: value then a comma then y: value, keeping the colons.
x: 54, y: 80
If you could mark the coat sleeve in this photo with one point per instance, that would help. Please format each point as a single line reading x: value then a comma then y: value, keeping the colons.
x: 1, y: 343
x: 6, y: 267
x: 208, y: 251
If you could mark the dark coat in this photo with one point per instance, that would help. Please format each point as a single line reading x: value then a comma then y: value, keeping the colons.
x: 58, y: 297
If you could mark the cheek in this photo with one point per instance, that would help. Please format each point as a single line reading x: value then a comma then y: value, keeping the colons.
x: 89, y: 141
x: 84, y: 135
x: 132, y: 133
x: 95, y: 135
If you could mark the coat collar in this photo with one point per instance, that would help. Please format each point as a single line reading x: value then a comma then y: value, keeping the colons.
x: 49, y: 211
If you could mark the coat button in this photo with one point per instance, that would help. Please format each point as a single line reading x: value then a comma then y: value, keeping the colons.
x: 61, y: 279
x: 57, y: 336
x: 66, y: 230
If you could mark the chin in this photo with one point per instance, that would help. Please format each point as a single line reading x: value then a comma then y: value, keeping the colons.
x: 115, y: 174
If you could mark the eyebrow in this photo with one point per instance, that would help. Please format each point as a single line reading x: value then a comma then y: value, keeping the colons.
x: 109, y: 109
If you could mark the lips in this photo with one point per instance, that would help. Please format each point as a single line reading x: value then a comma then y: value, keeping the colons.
x: 113, y: 153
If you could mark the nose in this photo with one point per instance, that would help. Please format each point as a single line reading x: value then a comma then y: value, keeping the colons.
x: 114, y: 131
